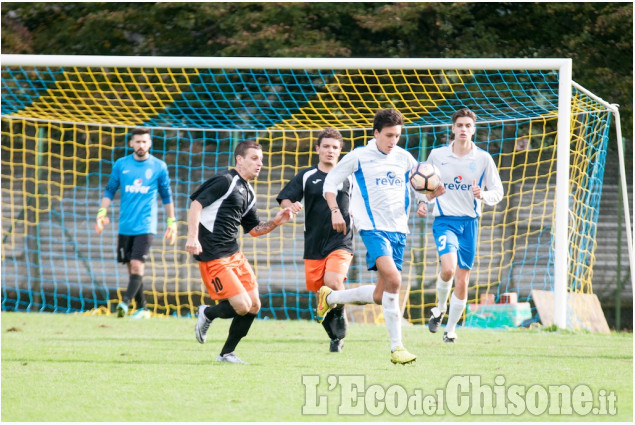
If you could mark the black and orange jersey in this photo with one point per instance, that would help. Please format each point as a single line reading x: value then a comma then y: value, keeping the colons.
x: 228, y: 202
x: 319, y: 237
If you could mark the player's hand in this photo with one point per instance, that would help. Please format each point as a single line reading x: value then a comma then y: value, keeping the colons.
x: 422, y: 209
x: 283, y: 216
x: 476, y: 190
x: 296, y: 207
x: 170, y: 232
x: 102, y: 220
x: 193, y: 246
x: 438, y: 191
x: 339, y: 225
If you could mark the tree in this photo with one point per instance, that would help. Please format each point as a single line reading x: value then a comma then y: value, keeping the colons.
x: 597, y: 36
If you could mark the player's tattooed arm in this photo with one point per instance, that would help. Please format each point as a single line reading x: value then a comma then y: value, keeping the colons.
x: 265, y: 227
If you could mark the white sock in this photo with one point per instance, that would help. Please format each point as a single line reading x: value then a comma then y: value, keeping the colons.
x: 360, y: 295
x: 456, y: 311
x: 392, y: 316
x: 443, y: 292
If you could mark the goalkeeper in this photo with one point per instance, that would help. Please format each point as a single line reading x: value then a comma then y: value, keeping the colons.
x: 141, y: 176
x: 327, y: 253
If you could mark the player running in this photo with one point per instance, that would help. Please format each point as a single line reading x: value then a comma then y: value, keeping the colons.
x: 465, y: 170
x: 327, y: 253
x: 141, y: 176
x: 379, y: 206
x: 220, y: 206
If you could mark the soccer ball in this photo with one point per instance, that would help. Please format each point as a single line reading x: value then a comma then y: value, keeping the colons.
x: 425, y: 177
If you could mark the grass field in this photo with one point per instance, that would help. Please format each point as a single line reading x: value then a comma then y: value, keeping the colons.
x: 58, y: 367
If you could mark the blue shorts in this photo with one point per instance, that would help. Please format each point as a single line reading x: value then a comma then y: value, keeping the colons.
x: 379, y: 243
x: 457, y: 234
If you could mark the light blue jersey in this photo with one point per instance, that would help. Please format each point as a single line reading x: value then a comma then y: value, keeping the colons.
x: 140, y: 182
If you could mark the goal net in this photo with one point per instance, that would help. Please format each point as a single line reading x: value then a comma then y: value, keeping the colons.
x: 64, y: 126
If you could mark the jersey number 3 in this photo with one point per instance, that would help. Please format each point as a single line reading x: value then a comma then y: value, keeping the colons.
x: 442, y: 241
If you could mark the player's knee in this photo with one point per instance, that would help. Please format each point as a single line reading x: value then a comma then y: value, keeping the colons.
x: 447, y: 274
x: 255, y: 307
x: 334, y: 283
x: 137, y: 267
x: 242, y: 307
x: 393, y: 284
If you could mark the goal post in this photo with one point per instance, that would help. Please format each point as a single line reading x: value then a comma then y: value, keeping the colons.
x: 199, y: 107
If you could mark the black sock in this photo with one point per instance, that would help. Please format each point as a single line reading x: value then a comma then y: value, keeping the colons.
x: 223, y: 309
x: 326, y: 323
x: 140, y: 298
x: 238, y: 329
x: 338, y: 324
x: 134, y: 284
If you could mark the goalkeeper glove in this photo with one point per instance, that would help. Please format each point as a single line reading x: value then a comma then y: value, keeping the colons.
x: 102, y: 220
x: 170, y: 232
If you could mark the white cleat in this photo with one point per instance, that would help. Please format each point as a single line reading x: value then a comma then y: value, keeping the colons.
x: 202, y: 325
x: 230, y: 358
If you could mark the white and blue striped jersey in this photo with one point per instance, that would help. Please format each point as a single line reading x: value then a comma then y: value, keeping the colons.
x: 457, y: 175
x: 380, y: 199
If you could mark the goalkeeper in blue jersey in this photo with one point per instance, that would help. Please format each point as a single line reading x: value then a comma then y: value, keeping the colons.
x: 141, y: 176
x: 465, y: 171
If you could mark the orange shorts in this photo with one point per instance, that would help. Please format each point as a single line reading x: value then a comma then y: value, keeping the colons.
x: 337, y: 262
x: 226, y: 277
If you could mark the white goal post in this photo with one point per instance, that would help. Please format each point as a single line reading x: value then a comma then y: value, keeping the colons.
x: 563, y: 66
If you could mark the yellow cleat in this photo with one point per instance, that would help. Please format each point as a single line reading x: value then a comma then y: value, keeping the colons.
x: 402, y: 356
x: 322, y: 306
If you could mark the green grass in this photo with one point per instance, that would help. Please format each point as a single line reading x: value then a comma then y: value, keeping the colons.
x: 58, y: 367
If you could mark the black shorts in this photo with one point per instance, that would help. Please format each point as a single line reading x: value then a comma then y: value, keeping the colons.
x: 134, y: 247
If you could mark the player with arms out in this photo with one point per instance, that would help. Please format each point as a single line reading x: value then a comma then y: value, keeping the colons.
x: 380, y: 205
x: 141, y: 176
x: 225, y: 202
x: 327, y: 253
x: 465, y: 170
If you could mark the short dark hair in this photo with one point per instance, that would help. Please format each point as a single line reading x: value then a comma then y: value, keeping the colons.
x: 387, y: 118
x: 244, y: 146
x: 330, y: 133
x: 463, y: 112
x: 139, y: 130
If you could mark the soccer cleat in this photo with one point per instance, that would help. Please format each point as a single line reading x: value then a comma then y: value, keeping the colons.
x: 142, y: 313
x: 230, y: 358
x: 401, y: 356
x: 322, y: 306
x: 336, y: 346
x: 202, y: 325
x: 122, y: 309
x: 449, y: 337
x: 435, y: 320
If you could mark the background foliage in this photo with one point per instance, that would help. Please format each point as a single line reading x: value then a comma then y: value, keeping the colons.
x: 597, y: 36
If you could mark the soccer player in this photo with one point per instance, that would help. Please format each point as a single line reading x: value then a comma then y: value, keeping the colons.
x: 141, y: 176
x: 379, y: 206
x: 465, y: 170
x: 327, y: 253
x: 225, y: 202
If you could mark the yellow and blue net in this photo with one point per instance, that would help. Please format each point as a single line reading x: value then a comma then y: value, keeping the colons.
x: 63, y: 129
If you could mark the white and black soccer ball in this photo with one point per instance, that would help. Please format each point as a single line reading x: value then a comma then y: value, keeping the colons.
x: 425, y: 177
